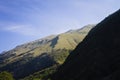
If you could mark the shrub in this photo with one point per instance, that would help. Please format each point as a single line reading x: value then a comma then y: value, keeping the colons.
x: 6, y: 76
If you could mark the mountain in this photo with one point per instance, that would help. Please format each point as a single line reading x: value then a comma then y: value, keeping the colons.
x: 43, y: 53
x: 97, y: 57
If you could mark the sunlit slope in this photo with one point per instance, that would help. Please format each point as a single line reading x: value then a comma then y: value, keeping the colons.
x: 42, y: 53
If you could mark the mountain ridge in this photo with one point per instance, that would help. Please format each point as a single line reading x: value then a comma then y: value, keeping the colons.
x: 41, y: 53
x: 97, y: 57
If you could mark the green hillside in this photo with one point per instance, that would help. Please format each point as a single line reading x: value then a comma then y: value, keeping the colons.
x: 40, y: 54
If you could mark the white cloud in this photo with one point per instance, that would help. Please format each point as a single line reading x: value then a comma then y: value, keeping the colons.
x: 23, y: 30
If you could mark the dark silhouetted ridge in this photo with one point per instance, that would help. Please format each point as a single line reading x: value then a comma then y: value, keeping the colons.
x: 97, y: 57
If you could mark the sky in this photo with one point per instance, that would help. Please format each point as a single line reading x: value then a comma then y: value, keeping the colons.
x: 23, y: 21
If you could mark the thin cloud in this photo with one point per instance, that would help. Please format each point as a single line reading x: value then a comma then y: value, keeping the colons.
x: 56, y: 14
x: 23, y: 30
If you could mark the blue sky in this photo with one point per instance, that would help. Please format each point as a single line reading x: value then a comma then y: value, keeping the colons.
x: 22, y: 21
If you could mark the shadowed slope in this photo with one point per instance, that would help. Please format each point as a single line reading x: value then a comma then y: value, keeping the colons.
x: 40, y: 54
x: 97, y: 57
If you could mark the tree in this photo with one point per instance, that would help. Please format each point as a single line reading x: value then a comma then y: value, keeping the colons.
x: 6, y: 76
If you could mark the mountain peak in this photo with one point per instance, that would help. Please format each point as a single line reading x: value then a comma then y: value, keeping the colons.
x: 84, y: 28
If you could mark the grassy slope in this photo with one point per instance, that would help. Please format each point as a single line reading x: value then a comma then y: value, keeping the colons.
x: 56, y: 48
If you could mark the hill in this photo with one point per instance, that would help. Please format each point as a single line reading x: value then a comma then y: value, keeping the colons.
x: 97, y: 57
x: 43, y: 53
